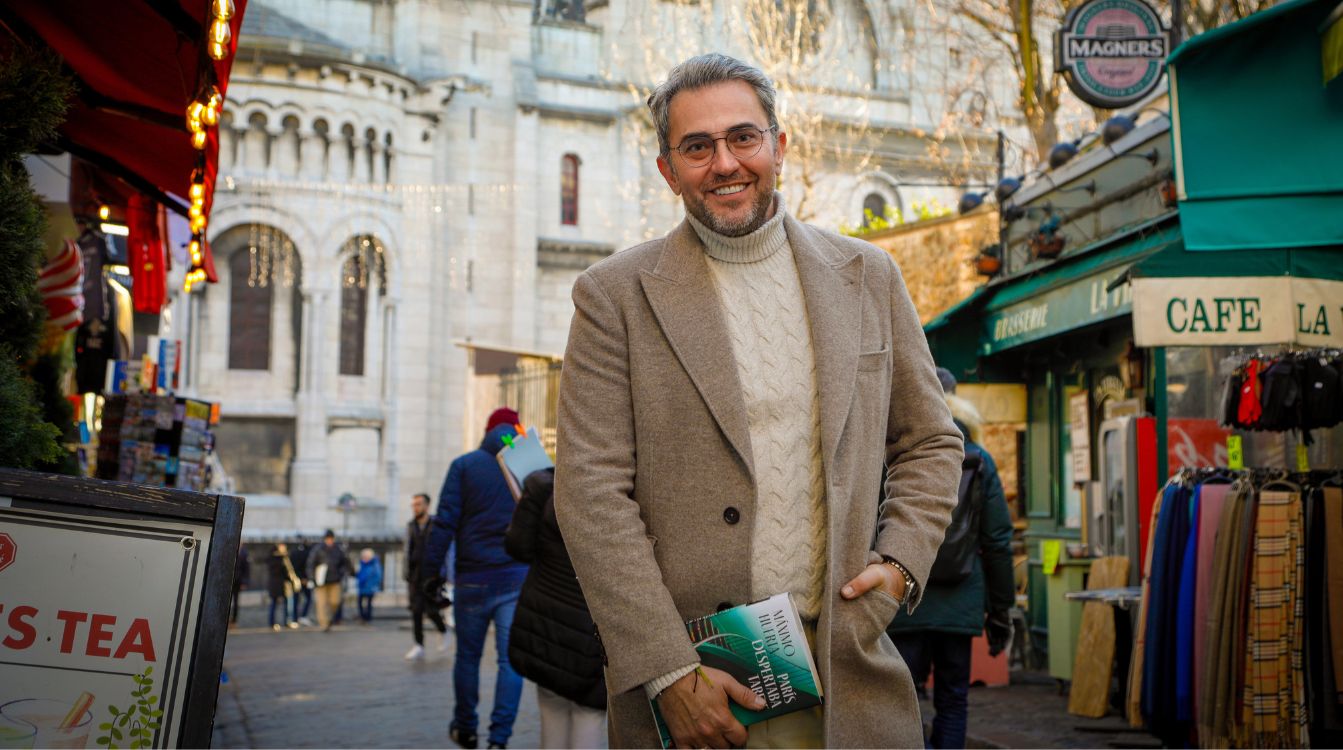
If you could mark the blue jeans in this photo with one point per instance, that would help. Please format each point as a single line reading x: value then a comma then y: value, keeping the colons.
x: 477, y: 606
x: 948, y: 657
x: 283, y: 604
x: 302, y: 603
x: 366, y: 607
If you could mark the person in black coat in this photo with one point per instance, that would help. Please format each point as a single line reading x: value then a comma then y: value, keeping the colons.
x: 281, y: 583
x: 553, y: 641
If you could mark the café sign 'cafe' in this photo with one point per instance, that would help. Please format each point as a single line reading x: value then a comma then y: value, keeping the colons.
x: 1237, y: 311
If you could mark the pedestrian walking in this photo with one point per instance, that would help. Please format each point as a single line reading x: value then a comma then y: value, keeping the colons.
x: 730, y: 394
x: 298, y: 558
x: 416, y: 573
x: 474, y: 510
x: 282, y: 583
x: 370, y: 583
x: 971, y: 588
x: 552, y: 642
x: 242, y: 572
x: 328, y: 565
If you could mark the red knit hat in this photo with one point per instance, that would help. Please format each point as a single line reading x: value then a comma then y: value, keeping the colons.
x: 502, y: 415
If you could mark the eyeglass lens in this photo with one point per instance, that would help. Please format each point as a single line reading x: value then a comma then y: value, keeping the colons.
x: 742, y: 142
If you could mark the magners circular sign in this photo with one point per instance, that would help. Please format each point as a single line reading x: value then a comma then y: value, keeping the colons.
x: 1112, y: 52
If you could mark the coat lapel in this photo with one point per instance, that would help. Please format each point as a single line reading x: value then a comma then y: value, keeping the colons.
x: 832, y: 285
x: 684, y: 300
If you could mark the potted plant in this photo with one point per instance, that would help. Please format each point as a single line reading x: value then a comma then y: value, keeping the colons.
x: 988, y: 262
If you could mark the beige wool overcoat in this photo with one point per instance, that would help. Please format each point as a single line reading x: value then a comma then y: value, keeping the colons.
x: 654, y: 485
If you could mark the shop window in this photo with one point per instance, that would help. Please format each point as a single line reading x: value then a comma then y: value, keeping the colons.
x: 569, y: 190
x: 256, y: 453
x: 249, y: 315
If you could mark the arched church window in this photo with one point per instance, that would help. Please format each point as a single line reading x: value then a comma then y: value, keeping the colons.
x: 569, y: 190
x: 874, y: 207
x: 249, y: 314
x: 363, y: 268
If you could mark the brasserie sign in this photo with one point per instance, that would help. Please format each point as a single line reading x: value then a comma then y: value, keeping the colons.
x: 1112, y: 52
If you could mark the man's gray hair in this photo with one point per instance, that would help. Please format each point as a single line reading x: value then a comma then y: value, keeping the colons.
x: 701, y: 71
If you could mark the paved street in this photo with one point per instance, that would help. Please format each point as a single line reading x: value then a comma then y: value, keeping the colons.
x: 347, y: 688
x: 351, y: 688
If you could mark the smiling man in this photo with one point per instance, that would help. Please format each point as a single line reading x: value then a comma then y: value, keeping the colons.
x: 730, y: 394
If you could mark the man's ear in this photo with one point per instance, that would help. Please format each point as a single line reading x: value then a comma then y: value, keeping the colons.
x: 780, y: 146
x: 669, y: 174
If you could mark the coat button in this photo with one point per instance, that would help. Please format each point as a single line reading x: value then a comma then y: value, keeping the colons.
x: 724, y: 606
x: 731, y: 515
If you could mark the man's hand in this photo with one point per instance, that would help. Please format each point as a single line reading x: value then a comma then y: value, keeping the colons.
x: 873, y: 576
x: 432, y: 589
x: 697, y: 713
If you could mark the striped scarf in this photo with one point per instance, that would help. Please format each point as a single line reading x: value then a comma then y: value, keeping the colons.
x: 1274, y: 710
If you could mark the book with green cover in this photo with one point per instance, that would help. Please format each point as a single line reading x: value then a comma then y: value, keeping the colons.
x: 762, y: 645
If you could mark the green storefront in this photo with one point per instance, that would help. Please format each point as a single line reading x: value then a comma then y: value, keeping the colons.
x: 1194, y: 238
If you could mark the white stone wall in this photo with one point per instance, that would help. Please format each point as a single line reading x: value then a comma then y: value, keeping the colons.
x: 440, y: 131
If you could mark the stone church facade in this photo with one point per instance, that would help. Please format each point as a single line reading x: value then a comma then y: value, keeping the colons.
x: 402, y: 177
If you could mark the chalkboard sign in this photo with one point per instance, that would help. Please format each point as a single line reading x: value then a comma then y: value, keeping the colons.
x: 114, y: 602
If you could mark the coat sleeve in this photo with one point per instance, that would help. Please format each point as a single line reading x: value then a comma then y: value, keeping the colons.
x: 995, y: 541
x: 639, y: 626
x: 444, y: 527
x: 924, y: 449
x: 521, y: 538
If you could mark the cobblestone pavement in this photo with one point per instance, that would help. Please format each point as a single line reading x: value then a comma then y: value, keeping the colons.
x: 347, y: 688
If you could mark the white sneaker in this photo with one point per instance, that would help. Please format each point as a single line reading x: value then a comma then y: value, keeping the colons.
x: 305, y: 621
x: 416, y: 653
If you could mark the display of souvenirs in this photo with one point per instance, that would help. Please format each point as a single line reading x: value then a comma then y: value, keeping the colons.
x: 157, y: 440
x: 1286, y: 391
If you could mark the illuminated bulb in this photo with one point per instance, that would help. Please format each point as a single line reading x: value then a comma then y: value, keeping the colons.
x: 195, y: 249
x: 195, y: 112
x: 214, y: 103
x: 198, y: 140
x: 196, y: 193
x: 104, y: 212
x: 222, y: 9
x: 220, y: 35
x: 195, y: 210
x: 197, y: 224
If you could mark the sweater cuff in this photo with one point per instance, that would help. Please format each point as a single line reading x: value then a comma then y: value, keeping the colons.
x: 655, y: 686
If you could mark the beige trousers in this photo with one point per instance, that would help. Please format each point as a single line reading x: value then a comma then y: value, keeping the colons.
x: 328, y: 600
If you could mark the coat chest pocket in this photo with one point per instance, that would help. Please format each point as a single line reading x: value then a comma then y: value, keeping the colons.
x: 877, y: 360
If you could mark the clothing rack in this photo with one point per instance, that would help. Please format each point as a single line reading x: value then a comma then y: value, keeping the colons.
x: 1239, y: 640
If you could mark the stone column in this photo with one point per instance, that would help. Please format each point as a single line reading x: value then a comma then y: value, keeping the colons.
x: 310, y: 476
x: 312, y: 156
x: 361, y: 165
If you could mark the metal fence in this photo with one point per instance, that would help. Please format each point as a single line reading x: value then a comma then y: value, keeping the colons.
x: 533, y: 388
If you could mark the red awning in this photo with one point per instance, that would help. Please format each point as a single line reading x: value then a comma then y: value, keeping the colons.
x: 138, y: 64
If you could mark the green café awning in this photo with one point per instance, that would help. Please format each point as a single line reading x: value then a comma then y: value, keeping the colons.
x: 1245, y: 298
x: 1075, y: 291
x: 1258, y: 133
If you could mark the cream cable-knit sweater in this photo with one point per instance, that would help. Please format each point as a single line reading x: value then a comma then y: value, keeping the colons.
x: 766, y: 316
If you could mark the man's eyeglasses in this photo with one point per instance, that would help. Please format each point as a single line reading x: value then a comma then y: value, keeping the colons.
x: 744, y: 142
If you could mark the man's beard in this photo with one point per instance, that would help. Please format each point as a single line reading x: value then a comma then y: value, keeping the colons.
x: 753, y: 220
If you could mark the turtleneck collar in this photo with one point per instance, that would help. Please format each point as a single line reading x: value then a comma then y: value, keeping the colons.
x: 749, y: 248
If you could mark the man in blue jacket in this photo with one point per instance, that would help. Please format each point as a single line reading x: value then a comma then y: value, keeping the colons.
x: 474, y: 509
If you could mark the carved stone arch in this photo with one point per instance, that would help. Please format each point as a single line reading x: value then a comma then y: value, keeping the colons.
x: 230, y: 216
x: 368, y: 223
x: 875, y: 182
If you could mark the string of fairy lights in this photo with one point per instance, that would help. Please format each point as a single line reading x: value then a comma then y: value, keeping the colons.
x: 201, y: 115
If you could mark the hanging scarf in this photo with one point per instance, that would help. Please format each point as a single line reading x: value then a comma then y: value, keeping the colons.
x: 1217, y: 701
x: 1273, y: 712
